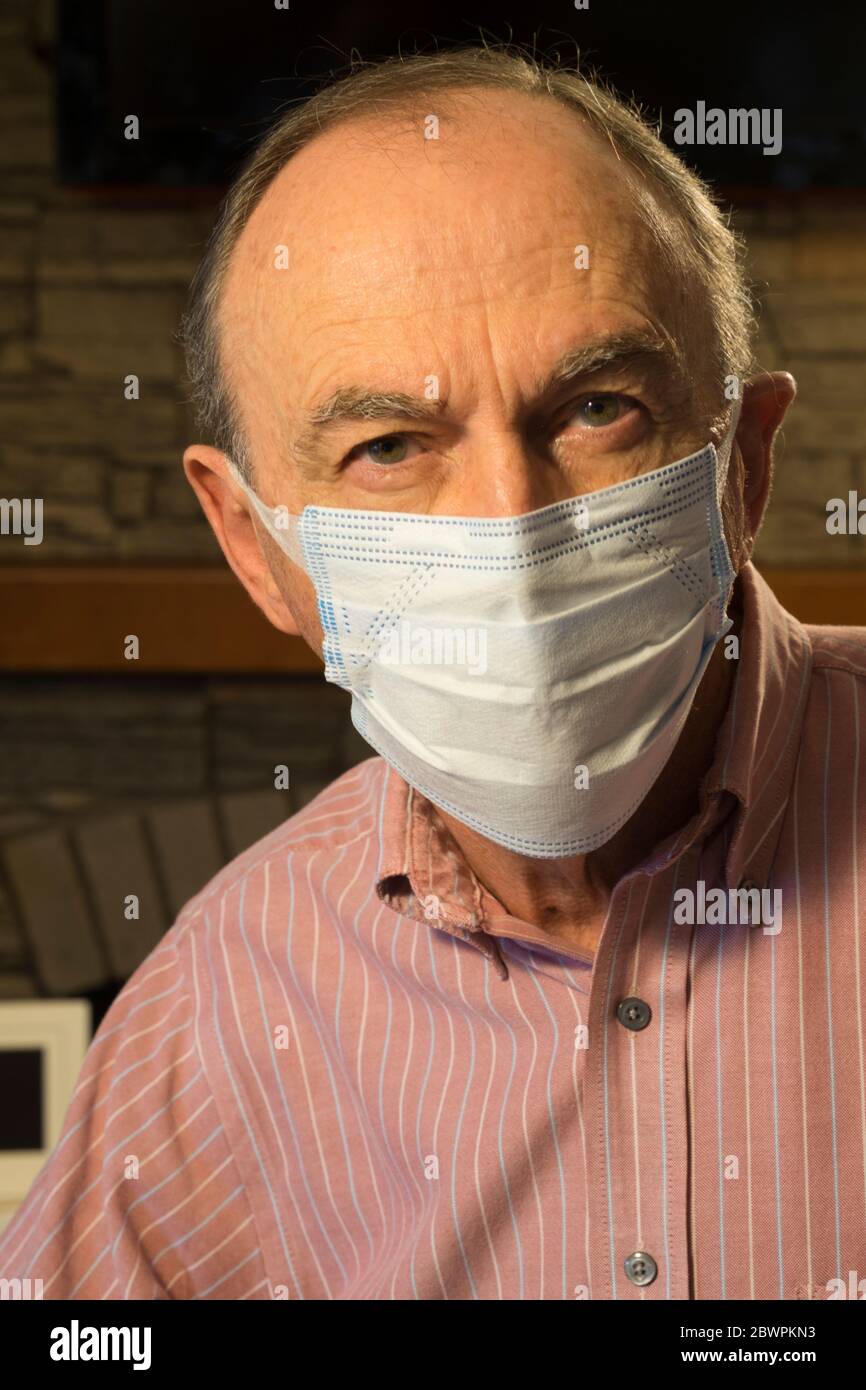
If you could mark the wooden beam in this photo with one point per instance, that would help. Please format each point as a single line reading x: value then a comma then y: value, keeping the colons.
x: 833, y: 596
x: 75, y: 618
x: 199, y: 619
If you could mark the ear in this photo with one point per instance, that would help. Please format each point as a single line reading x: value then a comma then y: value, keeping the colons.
x: 229, y: 511
x: 765, y: 401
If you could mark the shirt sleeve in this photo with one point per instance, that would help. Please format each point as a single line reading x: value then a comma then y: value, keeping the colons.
x: 141, y: 1198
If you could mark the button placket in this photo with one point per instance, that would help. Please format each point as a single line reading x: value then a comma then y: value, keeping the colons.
x: 637, y: 1036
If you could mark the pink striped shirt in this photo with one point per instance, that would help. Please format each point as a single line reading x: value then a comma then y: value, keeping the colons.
x: 348, y: 1073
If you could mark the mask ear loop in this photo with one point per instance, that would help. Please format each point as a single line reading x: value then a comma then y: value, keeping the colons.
x: 725, y: 451
x: 721, y: 554
x: 288, y: 531
x: 285, y: 527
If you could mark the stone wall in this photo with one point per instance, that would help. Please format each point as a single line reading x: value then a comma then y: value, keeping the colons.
x: 75, y: 750
x: 809, y: 265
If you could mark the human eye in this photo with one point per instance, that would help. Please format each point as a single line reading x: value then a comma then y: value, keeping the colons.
x: 600, y: 410
x: 385, y: 450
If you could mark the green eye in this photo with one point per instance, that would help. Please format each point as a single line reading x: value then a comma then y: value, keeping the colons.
x: 391, y: 448
x: 600, y: 410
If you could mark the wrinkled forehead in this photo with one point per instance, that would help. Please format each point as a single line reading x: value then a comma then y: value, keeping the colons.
x: 375, y: 222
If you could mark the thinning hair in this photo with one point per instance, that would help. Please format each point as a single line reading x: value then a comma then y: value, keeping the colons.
x: 708, y: 248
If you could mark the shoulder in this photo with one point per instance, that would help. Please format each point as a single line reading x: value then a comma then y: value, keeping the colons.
x: 160, y: 1121
x: 833, y: 737
x: 341, y: 819
x: 141, y: 1133
x: 840, y: 649
x: 210, y: 964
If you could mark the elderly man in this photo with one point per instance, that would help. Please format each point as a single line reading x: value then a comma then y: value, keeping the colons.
x: 559, y: 996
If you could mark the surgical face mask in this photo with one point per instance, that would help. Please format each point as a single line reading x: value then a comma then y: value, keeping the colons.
x: 528, y: 674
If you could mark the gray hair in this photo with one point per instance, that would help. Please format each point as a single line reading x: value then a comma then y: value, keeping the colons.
x: 709, y: 247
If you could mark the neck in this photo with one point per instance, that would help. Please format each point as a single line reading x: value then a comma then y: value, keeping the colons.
x: 568, y: 897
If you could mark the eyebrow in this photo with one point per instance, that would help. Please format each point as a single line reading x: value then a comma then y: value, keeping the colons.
x: 642, y: 350
x: 637, y: 349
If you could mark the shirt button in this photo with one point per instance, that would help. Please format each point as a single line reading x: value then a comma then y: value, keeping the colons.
x: 633, y: 1014
x: 641, y: 1268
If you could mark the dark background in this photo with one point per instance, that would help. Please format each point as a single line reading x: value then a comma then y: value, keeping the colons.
x: 206, y: 77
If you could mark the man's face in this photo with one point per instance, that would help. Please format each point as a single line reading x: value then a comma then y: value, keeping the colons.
x: 450, y: 271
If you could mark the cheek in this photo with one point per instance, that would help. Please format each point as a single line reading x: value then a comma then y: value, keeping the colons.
x: 299, y: 595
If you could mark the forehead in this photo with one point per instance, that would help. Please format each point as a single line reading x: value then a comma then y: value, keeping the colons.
x: 385, y: 229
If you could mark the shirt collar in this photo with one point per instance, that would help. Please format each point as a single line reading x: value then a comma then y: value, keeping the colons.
x: 424, y: 875
x: 756, y: 749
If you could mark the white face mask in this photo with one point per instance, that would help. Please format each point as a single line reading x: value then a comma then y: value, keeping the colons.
x: 529, y: 674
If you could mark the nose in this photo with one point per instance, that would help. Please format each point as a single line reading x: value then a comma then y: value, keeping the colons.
x: 504, y: 475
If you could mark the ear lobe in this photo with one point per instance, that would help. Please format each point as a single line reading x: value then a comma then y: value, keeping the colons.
x: 274, y: 606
